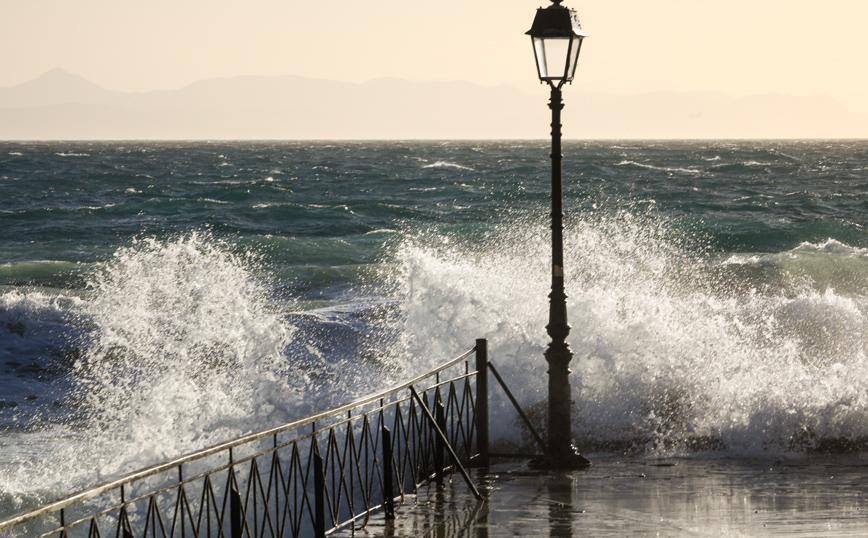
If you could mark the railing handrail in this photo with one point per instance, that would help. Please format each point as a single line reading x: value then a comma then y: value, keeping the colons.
x: 80, y: 496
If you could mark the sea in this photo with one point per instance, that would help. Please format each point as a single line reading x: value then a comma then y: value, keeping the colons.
x: 160, y: 297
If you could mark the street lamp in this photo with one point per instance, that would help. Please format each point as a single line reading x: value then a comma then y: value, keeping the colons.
x: 557, y: 38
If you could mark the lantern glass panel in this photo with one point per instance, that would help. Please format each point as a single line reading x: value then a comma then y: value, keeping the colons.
x: 552, y: 55
x: 575, y: 45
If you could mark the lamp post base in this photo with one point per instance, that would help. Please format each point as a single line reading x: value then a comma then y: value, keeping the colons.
x: 570, y: 461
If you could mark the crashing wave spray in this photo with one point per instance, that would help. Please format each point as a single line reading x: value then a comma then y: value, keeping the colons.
x: 185, y: 350
x: 181, y: 351
x: 677, y: 349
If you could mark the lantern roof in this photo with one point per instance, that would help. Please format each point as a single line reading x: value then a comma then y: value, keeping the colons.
x: 556, y: 21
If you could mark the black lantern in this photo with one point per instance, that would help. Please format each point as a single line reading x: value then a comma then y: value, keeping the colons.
x: 557, y: 38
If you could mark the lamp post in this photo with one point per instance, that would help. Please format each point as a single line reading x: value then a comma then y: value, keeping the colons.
x: 557, y: 37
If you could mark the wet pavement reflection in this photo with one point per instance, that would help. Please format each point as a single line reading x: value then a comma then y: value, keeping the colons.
x: 633, y: 496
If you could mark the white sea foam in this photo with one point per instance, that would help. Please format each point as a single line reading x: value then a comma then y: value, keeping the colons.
x: 660, y: 168
x: 443, y: 165
x: 831, y: 246
x: 183, y: 351
x: 671, y: 354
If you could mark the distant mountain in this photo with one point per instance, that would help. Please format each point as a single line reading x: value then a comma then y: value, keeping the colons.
x: 60, y: 105
x: 53, y: 88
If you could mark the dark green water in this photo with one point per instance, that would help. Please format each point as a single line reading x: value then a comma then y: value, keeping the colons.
x: 177, y: 294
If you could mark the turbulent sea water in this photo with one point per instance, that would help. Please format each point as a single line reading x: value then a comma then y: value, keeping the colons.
x: 156, y: 298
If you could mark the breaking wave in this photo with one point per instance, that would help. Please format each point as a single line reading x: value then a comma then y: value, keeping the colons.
x: 677, y: 349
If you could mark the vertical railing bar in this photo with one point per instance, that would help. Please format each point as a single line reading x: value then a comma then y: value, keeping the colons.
x: 472, y: 432
x: 292, y: 482
x: 403, y: 462
x: 319, y: 493
x: 458, y: 419
x: 236, y: 525
x: 334, y: 497
x: 388, y: 491
x: 423, y: 452
x: 184, y: 503
x: 351, y: 449
x: 249, y: 507
x: 481, y: 414
x: 268, y: 517
x: 359, y: 461
x: 273, y: 474
x: 279, y: 482
x: 251, y: 485
x: 419, y: 454
x: 376, y: 442
x: 438, y: 447
x: 367, y: 486
x: 349, y: 458
x: 433, y: 440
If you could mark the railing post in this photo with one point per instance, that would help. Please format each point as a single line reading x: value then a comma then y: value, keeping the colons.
x: 235, y: 520
x: 388, y: 494
x: 438, y: 442
x: 481, y: 415
x: 318, y: 493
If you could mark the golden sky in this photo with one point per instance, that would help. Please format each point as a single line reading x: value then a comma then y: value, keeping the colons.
x: 797, y: 47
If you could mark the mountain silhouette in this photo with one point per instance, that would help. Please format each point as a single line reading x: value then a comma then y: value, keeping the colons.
x: 60, y: 105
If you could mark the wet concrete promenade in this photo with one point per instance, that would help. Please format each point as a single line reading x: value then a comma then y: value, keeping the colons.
x: 640, y: 497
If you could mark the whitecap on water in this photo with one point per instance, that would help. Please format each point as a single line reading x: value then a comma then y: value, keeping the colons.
x: 443, y: 165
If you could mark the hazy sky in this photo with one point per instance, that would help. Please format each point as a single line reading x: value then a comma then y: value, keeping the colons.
x: 799, y: 47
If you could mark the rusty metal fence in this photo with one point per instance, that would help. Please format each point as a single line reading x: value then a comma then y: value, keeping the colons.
x: 326, y: 472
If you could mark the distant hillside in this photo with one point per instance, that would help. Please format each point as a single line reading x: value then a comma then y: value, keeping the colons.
x: 60, y: 105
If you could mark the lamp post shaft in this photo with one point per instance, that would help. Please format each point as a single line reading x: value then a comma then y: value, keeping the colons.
x: 558, y: 353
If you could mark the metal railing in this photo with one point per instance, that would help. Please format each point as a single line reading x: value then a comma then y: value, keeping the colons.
x: 310, y: 477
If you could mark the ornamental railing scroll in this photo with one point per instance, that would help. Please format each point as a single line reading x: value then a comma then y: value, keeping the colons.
x: 310, y: 477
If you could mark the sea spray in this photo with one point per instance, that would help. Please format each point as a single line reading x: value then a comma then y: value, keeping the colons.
x: 675, y: 352
x: 185, y: 351
x: 179, y: 350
